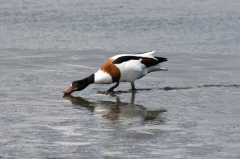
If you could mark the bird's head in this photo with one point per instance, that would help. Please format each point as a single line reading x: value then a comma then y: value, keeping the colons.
x: 76, y: 86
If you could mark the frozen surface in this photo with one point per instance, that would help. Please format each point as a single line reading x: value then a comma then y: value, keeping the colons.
x: 190, y: 111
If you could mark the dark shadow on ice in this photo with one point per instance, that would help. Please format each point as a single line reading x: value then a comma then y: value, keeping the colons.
x: 167, y: 89
x: 118, y: 111
x: 203, y: 86
x: 80, y: 102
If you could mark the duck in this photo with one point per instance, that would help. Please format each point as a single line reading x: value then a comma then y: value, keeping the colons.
x: 121, y: 68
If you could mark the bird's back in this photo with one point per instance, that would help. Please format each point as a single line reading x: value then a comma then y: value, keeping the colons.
x: 128, y: 67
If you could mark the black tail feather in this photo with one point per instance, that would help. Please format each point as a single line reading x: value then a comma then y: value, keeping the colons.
x: 161, y: 59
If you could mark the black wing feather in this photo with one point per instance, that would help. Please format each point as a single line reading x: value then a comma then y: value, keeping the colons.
x: 148, y: 62
x: 125, y: 59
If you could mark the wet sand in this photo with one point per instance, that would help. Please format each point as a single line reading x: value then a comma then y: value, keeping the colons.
x: 190, y: 111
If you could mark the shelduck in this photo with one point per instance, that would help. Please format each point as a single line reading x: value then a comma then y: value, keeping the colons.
x: 121, y: 68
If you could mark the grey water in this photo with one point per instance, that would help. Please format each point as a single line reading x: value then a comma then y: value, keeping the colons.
x: 190, y: 111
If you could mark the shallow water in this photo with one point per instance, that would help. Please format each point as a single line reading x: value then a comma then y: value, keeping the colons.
x: 180, y: 113
x: 190, y: 111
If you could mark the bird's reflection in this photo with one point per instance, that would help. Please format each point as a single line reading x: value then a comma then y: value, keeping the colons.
x: 118, y: 112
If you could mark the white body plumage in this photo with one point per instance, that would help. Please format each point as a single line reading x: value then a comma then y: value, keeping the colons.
x: 129, y: 70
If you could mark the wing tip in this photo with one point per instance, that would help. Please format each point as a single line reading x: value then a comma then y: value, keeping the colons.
x: 151, y: 52
x: 148, y: 52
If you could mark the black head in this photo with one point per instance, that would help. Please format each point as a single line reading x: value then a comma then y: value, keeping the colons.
x: 77, y: 86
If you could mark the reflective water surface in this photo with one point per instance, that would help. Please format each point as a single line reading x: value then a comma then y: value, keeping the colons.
x: 117, y: 112
x: 190, y: 111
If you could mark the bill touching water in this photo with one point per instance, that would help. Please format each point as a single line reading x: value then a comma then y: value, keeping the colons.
x: 121, y: 68
x: 185, y: 109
